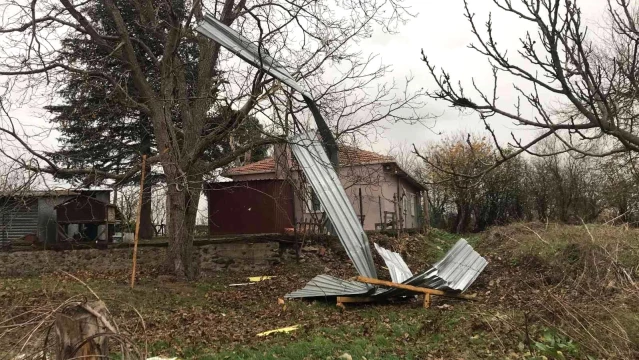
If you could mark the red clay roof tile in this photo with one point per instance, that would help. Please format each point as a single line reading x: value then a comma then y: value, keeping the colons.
x: 348, y: 156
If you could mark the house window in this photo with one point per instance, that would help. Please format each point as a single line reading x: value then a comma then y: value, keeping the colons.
x: 314, y: 204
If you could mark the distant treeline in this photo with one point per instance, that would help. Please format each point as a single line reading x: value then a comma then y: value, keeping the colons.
x: 551, y: 185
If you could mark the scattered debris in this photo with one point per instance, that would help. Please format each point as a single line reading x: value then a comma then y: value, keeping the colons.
x: 280, y: 330
x: 453, y: 274
x: 260, y: 278
x: 242, y: 284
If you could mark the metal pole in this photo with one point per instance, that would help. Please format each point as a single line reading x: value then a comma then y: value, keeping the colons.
x: 137, y: 222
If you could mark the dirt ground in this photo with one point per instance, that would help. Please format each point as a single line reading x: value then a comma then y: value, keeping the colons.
x: 549, y: 291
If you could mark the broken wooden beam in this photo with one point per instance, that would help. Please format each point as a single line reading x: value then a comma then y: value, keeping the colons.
x: 416, y: 289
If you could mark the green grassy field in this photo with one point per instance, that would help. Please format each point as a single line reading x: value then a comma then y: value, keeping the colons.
x: 548, y: 292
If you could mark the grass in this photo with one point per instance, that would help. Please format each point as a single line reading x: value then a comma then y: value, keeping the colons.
x: 529, y: 297
x: 383, y: 335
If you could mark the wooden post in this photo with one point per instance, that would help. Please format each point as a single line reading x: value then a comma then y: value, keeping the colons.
x: 426, y: 211
x: 382, y: 219
x: 137, y: 222
x: 361, y: 208
x: 400, y: 218
x: 396, y: 217
x: 76, y: 327
x: 426, y: 301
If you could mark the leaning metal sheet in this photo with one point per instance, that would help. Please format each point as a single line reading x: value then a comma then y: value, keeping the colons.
x: 258, y: 57
x: 245, y: 49
x: 320, y: 174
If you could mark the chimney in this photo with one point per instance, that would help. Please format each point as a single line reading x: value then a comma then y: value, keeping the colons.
x: 283, y: 160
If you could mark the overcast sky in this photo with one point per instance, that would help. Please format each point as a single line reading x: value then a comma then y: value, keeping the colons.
x: 442, y: 31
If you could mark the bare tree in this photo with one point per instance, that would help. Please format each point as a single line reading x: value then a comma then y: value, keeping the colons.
x: 127, y: 202
x: 595, y: 78
x: 315, y: 39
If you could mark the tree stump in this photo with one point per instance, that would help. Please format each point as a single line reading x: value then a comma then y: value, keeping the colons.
x: 76, y: 326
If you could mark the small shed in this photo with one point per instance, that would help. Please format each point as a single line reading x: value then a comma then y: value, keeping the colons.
x: 85, y: 218
x: 250, y: 207
x: 25, y: 214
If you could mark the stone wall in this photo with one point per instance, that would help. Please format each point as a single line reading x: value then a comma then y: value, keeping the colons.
x: 211, y: 258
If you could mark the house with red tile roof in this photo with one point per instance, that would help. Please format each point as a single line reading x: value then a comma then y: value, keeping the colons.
x: 271, y: 195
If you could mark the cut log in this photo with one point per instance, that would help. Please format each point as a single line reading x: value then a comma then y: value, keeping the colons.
x: 77, y: 328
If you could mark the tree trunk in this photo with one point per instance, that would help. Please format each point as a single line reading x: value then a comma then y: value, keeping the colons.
x: 181, y: 222
x: 167, y: 215
x: 463, y: 218
x: 146, y: 220
x: 146, y: 215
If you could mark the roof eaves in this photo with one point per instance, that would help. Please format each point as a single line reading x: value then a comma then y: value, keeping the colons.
x: 410, y: 177
x: 256, y: 172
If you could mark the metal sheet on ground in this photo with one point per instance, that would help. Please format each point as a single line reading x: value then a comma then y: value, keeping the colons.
x: 455, y: 272
x: 329, y: 286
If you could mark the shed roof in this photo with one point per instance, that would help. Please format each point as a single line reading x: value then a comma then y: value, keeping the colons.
x: 49, y: 193
x: 348, y: 156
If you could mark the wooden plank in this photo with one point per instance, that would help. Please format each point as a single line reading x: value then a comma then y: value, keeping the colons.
x: 412, y: 288
x: 354, y: 299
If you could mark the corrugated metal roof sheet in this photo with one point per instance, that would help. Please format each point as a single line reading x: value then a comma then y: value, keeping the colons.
x: 242, y: 47
x: 397, y: 268
x: 18, y: 217
x: 326, y: 285
x: 460, y: 266
x: 323, y: 179
x: 455, y: 272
